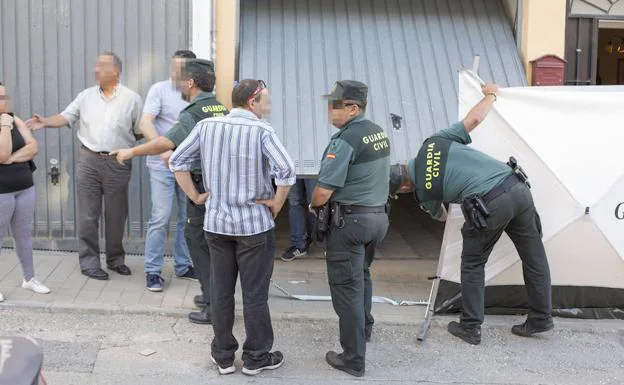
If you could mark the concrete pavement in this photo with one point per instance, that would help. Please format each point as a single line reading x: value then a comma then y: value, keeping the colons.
x: 93, y: 332
x: 395, y: 279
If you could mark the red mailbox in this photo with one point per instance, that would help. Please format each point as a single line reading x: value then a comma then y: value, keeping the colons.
x: 548, y: 70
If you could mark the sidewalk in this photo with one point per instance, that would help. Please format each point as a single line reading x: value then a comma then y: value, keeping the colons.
x: 394, y: 279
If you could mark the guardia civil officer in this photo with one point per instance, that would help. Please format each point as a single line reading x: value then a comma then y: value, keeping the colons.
x: 495, y: 197
x: 354, y: 180
x: 196, y: 84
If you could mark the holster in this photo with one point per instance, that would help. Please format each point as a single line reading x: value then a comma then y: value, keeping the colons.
x: 337, y: 216
x: 475, y: 212
x: 321, y: 225
x: 519, y: 171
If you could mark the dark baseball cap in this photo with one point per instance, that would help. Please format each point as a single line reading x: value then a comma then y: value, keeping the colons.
x: 348, y: 90
x: 198, y: 65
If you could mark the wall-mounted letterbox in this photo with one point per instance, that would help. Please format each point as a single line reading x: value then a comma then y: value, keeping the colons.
x: 547, y: 70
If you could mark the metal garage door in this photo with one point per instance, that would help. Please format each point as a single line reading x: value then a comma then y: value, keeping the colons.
x: 408, y: 52
x: 48, y: 48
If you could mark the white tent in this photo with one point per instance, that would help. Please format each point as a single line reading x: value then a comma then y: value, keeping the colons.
x: 570, y: 141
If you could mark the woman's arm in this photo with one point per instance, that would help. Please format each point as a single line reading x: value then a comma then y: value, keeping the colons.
x: 6, y: 143
x: 31, y: 148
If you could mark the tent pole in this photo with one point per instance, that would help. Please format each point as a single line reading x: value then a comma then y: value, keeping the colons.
x: 430, y: 308
x: 475, y: 64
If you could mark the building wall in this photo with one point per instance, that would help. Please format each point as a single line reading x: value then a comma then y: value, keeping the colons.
x: 47, y: 52
x: 543, y: 30
x: 226, y: 48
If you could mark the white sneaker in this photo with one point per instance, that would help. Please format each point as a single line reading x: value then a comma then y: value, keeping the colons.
x: 35, y: 286
x: 1, y: 297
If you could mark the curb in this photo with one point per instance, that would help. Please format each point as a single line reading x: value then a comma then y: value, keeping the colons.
x: 276, y: 314
x: 439, y: 321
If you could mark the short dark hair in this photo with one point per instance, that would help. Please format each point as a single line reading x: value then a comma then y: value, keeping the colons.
x: 243, y: 90
x: 204, y: 80
x: 116, y: 59
x: 184, y: 54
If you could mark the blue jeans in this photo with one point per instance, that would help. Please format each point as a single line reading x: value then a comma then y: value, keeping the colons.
x: 163, y: 191
x: 301, y: 221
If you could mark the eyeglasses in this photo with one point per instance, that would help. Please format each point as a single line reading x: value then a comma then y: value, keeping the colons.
x: 339, y: 104
x: 259, y: 88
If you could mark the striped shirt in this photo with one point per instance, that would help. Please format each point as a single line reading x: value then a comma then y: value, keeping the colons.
x: 239, y: 154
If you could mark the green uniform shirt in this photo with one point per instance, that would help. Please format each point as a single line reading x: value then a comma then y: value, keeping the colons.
x: 205, y: 105
x: 356, y: 164
x: 468, y: 171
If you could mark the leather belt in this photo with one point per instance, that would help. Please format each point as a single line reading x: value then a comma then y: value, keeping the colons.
x: 355, y: 209
x: 96, y: 152
x: 501, y: 188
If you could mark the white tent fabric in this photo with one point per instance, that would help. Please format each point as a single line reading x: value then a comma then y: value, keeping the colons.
x: 570, y: 141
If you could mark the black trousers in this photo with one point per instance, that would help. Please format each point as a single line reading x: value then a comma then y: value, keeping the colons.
x: 251, y: 257
x: 514, y: 213
x: 350, y: 252
x: 196, y: 241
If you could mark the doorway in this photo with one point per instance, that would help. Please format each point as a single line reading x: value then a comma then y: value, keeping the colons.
x: 610, y: 58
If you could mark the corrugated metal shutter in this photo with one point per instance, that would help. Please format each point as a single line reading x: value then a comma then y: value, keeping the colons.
x: 48, y: 51
x: 408, y: 52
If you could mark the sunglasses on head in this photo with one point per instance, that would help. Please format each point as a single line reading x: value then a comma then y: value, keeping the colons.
x: 338, y: 104
x: 261, y: 85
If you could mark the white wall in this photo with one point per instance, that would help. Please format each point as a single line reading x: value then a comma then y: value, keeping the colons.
x: 202, y: 35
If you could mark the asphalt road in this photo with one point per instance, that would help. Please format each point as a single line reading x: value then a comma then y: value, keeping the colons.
x: 100, y: 348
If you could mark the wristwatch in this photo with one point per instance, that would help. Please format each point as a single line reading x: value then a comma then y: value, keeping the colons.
x: 493, y: 94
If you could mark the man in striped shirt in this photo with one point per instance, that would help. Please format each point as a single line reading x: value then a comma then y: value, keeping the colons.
x: 239, y: 154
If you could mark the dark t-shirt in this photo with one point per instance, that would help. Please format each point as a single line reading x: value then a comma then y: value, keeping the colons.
x: 17, y: 176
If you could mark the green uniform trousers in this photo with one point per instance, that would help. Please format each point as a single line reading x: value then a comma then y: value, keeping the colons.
x: 350, y: 252
x: 514, y: 213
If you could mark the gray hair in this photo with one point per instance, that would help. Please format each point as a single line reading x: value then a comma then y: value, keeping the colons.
x: 116, y: 59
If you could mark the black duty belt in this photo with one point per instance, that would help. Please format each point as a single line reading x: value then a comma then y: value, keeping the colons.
x: 501, y: 188
x: 95, y: 152
x: 355, y: 209
x: 196, y: 177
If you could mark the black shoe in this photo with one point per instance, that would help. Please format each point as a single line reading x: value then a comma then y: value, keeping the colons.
x: 121, y: 269
x: 96, y: 273
x: 227, y: 368
x: 273, y: 361
x: 335, y: 360
x: 472, y: 335
x: 190, y: 274
x: 201, y: 317
x: 199, y: 301
x: 293, y: 253
x: 530, y: 327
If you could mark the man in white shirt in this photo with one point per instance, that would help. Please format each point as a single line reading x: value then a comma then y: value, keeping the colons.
x: 108, y: 116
